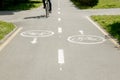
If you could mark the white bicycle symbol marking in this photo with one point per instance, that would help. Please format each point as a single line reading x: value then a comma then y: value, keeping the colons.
x: 78, y: 39
x: 86, y: 39
x: 37, y: 33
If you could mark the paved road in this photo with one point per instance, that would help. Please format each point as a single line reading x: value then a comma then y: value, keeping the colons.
x: 65, y: 46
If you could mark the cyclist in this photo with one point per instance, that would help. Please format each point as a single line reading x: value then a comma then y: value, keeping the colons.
x: 50, y: 5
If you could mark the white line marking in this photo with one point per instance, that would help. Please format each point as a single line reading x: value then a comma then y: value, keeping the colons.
x: 96, y: 25
x: 105, y: 33
x: 59, y: 12
x: 9, y: 39
x: 59, y: 30
x: 59, y: 19
x: 61, y: 56
x: 86, y: 39
x: 34, y: 41
x: 37, y: 33
x: 81, y: 32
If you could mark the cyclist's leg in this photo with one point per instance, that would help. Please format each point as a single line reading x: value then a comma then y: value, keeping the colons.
x: 43, y: 3
x: 50, y: 5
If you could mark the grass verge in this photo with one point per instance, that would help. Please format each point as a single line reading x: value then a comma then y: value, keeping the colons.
x: 108, y: 4
x: 111, y: 23
x: 5, y: 28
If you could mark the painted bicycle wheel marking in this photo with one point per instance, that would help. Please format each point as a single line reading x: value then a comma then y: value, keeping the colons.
x: 37, y: 33
x: 86, y: 39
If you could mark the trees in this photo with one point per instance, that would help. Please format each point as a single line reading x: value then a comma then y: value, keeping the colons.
x: 7, y: 3
x: 86, y: 2
x: 20, y: 1
x: 89, y: 2
x: 2, y: 4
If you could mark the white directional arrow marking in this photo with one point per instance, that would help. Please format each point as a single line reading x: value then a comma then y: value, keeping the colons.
x: 81, y: 32
x: 34, y: 41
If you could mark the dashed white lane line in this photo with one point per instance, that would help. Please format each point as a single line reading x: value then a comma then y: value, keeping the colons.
x: 59, y: 19
x: 59, y: 12
x: 2, y: 46
x: 59, y: 30
x: 61, y: 56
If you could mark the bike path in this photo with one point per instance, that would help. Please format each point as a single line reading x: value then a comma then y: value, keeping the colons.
x: 64, y: 46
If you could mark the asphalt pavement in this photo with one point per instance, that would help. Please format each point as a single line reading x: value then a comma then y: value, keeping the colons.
x: 65, y: 46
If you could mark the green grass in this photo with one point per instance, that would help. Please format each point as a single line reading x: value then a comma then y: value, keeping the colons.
x: 108, y: 4
x: 5, y: 28
x: 25, y: 6
x: 110, y: 23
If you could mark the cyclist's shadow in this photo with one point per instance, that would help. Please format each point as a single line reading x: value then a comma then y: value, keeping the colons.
x: 35, y: 17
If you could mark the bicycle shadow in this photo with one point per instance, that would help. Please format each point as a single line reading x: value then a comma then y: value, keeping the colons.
x: 35, y: 17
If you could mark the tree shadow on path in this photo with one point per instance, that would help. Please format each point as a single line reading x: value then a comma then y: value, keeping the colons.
x: 114, y: 30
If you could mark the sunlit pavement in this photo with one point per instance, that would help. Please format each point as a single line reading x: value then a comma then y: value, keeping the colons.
x: 64, y: 46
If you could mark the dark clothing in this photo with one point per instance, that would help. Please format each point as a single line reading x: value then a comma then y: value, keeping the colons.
x: 50, y: 5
